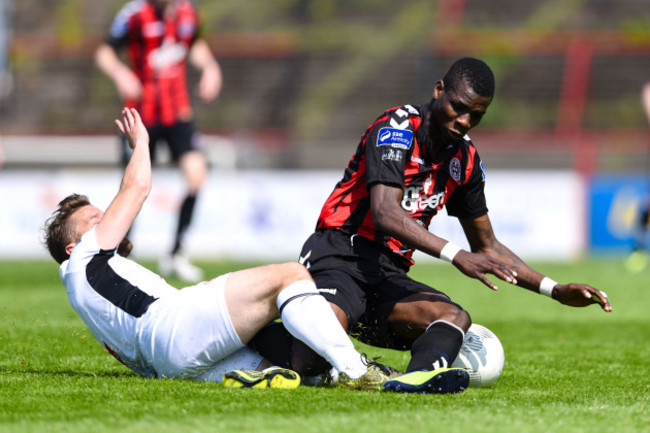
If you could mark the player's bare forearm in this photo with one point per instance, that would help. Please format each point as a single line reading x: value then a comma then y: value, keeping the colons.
x: 127, y: 83
x: 572, y: 294
x: 527, y: 277
x: 211, y: 78
x: 137, y: 175
x: 108, y: 61
x: 135, y: 186
x: 201, y: 56
x: 481, y: 238
x: 390, y: 218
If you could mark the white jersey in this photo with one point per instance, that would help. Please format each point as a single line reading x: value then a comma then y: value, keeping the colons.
x: 147, y: 324
x: 111, y: 293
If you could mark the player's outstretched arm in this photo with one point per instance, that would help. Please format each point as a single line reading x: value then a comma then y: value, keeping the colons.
x: 481, y: 238
x: 128, y: 85
x: 390, y: 218
x: 135, y: 186
x: 211, y: 79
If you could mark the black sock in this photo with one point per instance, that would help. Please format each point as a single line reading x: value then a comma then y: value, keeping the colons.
x: 184, y: 219
x: 274, y: 343
x: 437, y: 348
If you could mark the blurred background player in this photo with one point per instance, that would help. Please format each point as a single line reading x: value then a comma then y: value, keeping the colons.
x: 160, y: 37
x: 637, y: 261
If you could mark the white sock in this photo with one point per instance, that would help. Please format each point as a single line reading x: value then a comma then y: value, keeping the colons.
x: 309, y: 318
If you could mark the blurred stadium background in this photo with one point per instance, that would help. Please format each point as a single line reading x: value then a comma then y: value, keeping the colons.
x: 565, y: 142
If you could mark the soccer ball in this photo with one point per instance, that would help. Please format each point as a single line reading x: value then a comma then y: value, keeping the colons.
x: 481, y: 355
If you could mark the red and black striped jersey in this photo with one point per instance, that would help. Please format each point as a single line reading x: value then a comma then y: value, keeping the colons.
x: 158, y: 48
x: 396, y: 150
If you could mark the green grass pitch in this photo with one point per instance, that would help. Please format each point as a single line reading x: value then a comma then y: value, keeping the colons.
x: 567, y: 369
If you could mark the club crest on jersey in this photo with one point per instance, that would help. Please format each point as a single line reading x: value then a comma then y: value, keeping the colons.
x: 393, y: 137
x: 454, y: 169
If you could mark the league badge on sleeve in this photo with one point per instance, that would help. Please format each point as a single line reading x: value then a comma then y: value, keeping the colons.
x: 393, y: 137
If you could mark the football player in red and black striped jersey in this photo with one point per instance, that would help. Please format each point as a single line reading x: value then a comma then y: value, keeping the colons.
x: 410, y: 163
x: 160, y: 37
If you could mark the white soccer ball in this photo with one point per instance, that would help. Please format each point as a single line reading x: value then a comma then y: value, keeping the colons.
x: 481, y: 355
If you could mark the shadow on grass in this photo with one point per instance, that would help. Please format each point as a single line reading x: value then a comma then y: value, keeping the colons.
x: 69, y: 373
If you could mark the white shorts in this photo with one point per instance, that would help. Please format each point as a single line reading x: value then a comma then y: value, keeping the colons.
x: 187, y: 335
x: 243, y: 359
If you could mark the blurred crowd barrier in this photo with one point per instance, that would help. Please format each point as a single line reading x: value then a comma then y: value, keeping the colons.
x: 304, y: 78
x: 302, y: 81
x: 267, y: 214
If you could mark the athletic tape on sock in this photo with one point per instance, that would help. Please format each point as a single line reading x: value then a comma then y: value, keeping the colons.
x: 295, y: 290
x: 447, y: 323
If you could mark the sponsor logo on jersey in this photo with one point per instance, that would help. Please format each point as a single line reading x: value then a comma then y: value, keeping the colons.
x: 454, y: 169
x: 394, y: 137
x: 167, y: 56
x: 413, y: 200
x: 391, y: 154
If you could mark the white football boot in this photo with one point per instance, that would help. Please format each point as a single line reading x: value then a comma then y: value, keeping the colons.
x: 179, y: 266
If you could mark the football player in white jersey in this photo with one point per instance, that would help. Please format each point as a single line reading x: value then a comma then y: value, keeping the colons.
x: 198, y: 332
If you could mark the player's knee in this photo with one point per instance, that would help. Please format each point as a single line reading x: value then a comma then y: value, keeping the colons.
x: 195, y: 182
x: 465, y: 319
x: 457, y: 316
x: 195, y: 170
x: 294, y: 271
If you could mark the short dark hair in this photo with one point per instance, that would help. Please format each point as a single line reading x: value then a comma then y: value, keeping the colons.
x: 476, y: 72
x: 58, y: 232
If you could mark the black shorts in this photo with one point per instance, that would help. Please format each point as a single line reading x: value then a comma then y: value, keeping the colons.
x: 364, y: 280
x: 180, y: 137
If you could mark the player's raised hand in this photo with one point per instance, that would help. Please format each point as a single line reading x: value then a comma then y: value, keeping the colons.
x: 477, y: 265
x: 131, y: 126
x: 580, y: 295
